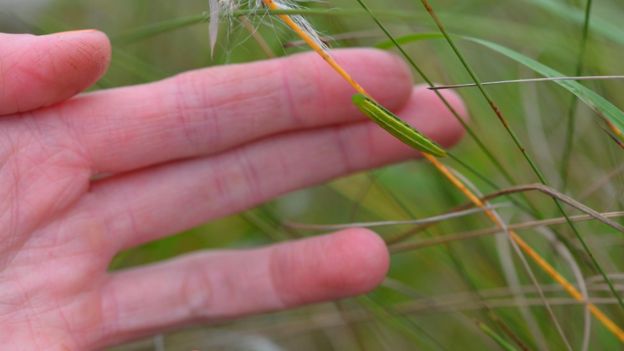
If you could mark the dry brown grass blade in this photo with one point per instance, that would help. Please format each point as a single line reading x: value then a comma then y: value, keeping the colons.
x: 408, y: 246
x: 513, y: 190
x: 525, y: 80
x: 563, y: 198
x: 428, y: 220
x: 293, y: 325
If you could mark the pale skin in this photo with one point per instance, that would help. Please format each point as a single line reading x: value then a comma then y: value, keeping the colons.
x: 178, y: 153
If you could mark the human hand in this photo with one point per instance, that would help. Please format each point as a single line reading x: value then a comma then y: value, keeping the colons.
x: 177, y: 153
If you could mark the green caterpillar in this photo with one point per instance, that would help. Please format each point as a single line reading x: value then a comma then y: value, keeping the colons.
x: 397, y: 127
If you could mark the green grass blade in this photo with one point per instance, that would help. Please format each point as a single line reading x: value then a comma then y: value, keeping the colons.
x: 592, y: 99
x: 158, y: 28
x: 571, y: 127
x: 497, y: 338
x: 600, y: 26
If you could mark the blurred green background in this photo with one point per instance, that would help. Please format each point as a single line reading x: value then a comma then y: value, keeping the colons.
x: 452, y: 295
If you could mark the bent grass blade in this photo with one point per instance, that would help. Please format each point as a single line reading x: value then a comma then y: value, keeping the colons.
x: 396, y: 126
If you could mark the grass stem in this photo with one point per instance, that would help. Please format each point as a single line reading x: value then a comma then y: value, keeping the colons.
x: 571, y: 125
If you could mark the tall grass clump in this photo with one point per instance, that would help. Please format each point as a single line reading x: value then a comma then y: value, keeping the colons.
x: 513, y: 242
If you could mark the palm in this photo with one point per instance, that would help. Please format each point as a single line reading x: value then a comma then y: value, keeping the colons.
x: 168, y: 156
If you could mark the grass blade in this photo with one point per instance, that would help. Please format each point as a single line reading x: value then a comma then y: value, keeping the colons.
x: 524, y: 80
x: 571, y: 127
x: 600, y: 26
x: 499, y: 339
